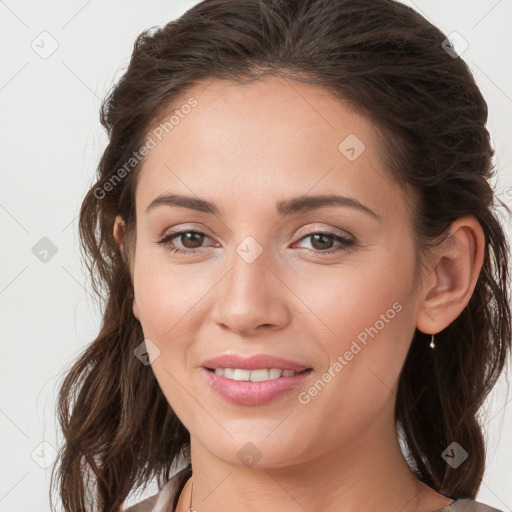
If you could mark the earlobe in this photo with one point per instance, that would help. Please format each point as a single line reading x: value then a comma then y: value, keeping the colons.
x: 457, y: 266
x: 121, y: 252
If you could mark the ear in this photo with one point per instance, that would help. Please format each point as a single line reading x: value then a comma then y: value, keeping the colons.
x: 455, y: 270
x: 118, y: 232
x: 135, y: 308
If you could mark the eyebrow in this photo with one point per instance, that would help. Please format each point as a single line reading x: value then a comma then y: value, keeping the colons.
x: 287, y: 207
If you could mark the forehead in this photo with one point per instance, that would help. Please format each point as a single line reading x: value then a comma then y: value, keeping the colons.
x: 269, y: 138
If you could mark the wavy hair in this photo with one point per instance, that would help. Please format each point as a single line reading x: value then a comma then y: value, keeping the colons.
x: 393, y: 66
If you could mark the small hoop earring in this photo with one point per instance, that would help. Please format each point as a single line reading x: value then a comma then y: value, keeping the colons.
x: 432, y: 344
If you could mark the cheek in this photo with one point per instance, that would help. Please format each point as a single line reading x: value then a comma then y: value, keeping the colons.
x: 370, y: 319
x: 346, y: 300
x: 169, y: 301
x: 168, y: 295
x: 363, y: 313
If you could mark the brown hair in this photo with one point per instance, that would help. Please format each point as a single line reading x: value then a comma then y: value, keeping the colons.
x: 391, y: 64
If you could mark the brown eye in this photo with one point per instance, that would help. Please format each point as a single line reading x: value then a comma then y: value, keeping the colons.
x: 191, y: 239
x: 322, y: 243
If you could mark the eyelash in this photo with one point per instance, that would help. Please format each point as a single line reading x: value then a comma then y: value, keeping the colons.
x: 346, y: 242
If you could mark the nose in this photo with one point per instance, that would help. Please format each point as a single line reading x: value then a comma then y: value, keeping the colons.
x: 251, y: 298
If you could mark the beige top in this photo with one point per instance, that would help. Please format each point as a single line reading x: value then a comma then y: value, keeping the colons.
x: 163, y: 501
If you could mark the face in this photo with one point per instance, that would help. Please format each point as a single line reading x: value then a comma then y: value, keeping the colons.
x: 325, y: 285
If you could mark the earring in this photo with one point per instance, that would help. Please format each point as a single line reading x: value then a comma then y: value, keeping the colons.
x: 432, y: 344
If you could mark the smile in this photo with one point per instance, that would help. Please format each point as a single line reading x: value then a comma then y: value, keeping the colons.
x: 260, y: 375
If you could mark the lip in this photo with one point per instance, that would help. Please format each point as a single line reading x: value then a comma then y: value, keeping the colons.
x: 254, y: 393
x: 256, y: 362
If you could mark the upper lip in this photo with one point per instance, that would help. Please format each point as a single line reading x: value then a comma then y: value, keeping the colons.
x: 256, y: 362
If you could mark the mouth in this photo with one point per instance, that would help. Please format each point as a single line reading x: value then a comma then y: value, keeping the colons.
x: 254, y: 387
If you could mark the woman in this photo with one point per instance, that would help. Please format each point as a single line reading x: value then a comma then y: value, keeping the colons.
x: 305, y: 280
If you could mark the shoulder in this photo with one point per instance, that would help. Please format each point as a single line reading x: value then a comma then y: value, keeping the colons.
x: 469, y: 505
x: 164, y: 498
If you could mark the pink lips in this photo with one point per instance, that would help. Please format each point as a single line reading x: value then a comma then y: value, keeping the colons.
x: 253, y: 393
x: 256, y: 362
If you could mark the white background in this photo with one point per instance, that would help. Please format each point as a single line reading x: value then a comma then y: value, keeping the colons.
x: 51, y: 143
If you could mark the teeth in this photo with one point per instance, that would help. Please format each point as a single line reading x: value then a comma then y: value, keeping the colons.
x: 253, y: 375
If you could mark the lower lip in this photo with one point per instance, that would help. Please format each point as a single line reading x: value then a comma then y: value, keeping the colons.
x: 254, y: 393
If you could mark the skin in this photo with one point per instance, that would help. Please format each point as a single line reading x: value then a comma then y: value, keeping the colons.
x: 246, y: 147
